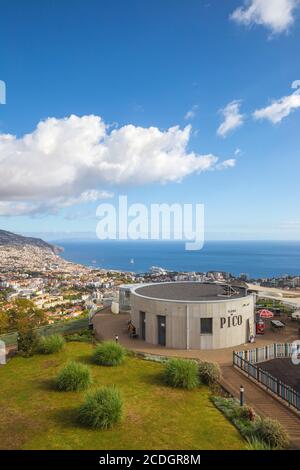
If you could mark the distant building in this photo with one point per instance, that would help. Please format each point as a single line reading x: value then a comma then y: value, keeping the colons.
x: 125, y: 296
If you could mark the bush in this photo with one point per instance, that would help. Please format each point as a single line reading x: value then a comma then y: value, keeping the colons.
x: 209, y: 373
x: 101, y: 409
x: 262, y: 431
x: 245, y: 412
x: 181, y: 373
x: 272, y: 433
x: 257, y: 444
x: 50, y: 344
x: 27, y: 342
x: 109, y: 353
x: 85, y: 336
x: 237, y: 415
x: 73, y: 377
x: 230, y: 407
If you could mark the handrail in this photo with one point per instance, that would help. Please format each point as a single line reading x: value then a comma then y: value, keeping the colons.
x: 276, y: 386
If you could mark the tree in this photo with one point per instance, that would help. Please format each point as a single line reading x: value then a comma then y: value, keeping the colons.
x: 4, y: 322
x: 27, y: 342
x: 24, y: 316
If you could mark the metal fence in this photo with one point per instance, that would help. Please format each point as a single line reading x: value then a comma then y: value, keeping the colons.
x: 62, y: 327
x: 271, y: 351
x: 248, y: 362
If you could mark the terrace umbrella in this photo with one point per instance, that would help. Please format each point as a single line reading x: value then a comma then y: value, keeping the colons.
x: 266, y: 313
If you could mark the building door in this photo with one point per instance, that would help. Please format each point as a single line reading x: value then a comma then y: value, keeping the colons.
x: 143, y: 325
x: 161, y: 329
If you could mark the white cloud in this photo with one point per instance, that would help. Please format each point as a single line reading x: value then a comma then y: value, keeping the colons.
x: 230, y: 163
x: 87, y: 196
x: 191, y: 114
x: 276, y: 15
x: 52, y: 205
x: 279, y: 109
x: 75, y: 160
x: 9, y: 208
x: 232, y: 118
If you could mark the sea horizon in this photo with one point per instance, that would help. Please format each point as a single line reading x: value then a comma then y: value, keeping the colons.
x: 255, y: 258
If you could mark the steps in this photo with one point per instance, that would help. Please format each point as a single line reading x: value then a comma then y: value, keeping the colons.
x: 262, y: 402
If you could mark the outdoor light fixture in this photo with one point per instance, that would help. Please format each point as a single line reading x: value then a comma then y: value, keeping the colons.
x: 242, y: 390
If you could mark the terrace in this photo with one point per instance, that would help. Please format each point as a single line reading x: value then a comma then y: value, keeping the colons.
x: 107, y: 325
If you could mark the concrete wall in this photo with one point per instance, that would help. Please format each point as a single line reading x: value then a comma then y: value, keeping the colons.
x: 231, y: 320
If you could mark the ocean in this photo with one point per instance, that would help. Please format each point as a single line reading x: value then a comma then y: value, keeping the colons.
x: 255, y: 258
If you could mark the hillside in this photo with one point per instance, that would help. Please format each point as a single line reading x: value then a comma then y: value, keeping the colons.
x: 19, y: 254
x: 13, y: 240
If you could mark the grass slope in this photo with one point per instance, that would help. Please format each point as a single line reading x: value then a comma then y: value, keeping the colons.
x: 36, y: 416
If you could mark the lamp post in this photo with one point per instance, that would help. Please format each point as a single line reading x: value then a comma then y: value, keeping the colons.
x: 242, y: 390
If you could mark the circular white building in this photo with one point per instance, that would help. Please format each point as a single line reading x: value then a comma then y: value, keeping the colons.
x: 192, y: 315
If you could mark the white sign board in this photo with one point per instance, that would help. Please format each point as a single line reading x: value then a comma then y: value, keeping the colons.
x: 2, y: 353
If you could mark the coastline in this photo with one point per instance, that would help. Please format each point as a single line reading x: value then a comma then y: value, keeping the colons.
x: 257, y: 260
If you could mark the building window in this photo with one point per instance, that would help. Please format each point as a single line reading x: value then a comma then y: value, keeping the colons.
x: 206, y: 326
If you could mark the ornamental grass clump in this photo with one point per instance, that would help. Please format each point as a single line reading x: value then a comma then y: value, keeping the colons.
x: 257, y: 444
x: 209, y: 373
x: 109, y: 353
x: 272, y: 433
x: 101, y: 409
x: 73, y: 377
x: 50, y: 344
x: 181, y: 373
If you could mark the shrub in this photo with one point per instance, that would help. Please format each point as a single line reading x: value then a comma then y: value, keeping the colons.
x: 101, y: 409
x: 209, y: 373
x: 254, y: 428
x: 245, y: 412
x: 73, y: 377
x: 257, y: 444
x: 181, y: 373
x: 27, y: 342
x: 85, y: 336
x: 50, y: 344
x: 109, y: 353
x: 230, y: 407
x: 272, y: 433
x: 237, y: 415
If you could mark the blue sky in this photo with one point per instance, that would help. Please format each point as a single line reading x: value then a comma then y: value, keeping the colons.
x: 144, y: 65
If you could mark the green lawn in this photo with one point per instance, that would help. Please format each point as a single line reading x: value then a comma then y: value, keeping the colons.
x: 35, y: 416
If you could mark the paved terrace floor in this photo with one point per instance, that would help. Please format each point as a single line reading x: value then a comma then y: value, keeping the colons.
x: 107, y: 325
